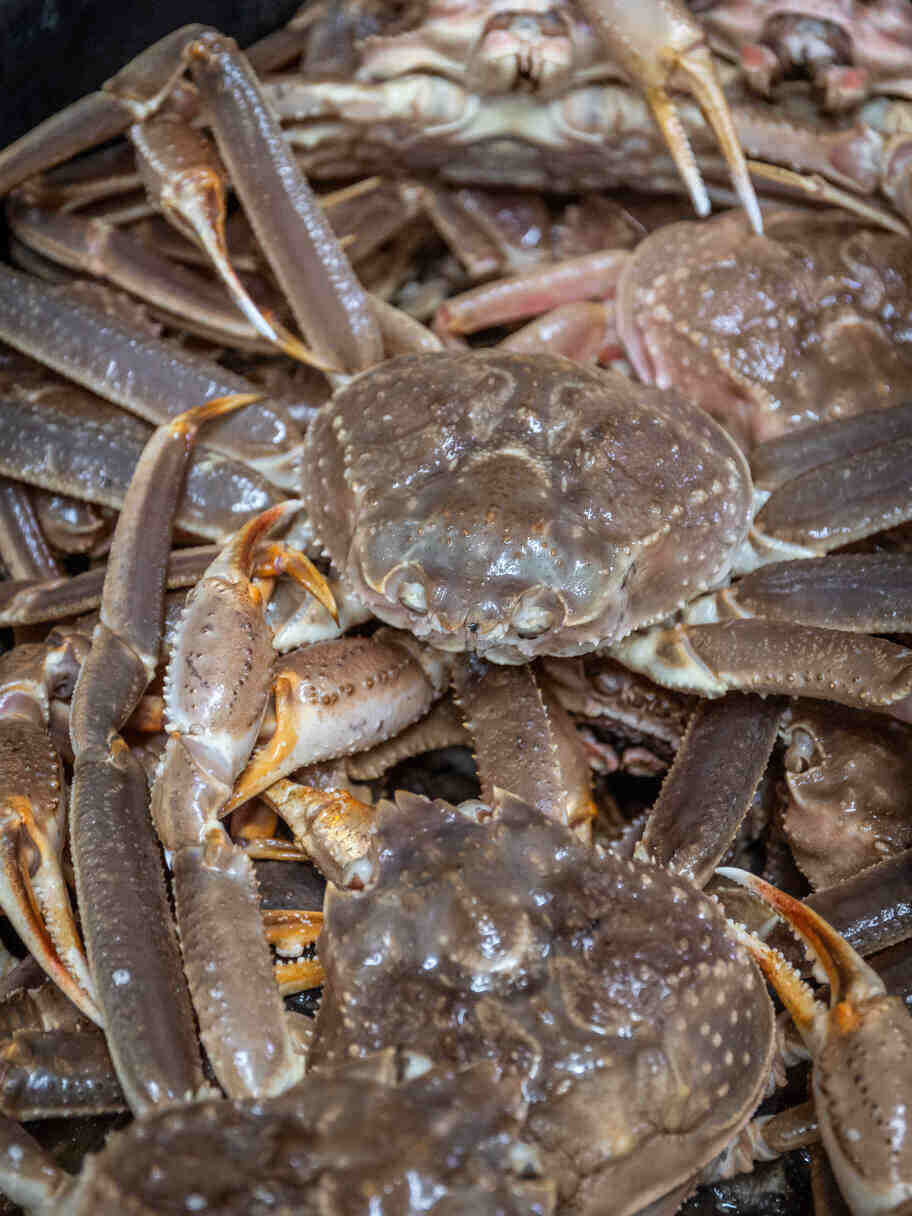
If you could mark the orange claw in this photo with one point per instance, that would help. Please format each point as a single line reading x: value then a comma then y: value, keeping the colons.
x: 852, y: 981
x: 36, y: 900
x: 655, y: 42
x: 279, y: 558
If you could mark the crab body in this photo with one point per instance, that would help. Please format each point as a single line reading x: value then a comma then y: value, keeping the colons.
x: 641, y: 1052
x: 516, y: 506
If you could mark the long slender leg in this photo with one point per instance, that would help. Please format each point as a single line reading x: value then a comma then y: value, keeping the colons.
x: 119, y: 360
x: 709, y: 787
x: 130, y: 938
x: 33, y: 891
x: 216, y: 694
x: 69, y: 441
x: 526, y: 743
x: 23, y: 548
x: 328, y: 302
x: 30, y: 601
x: 137, y: 90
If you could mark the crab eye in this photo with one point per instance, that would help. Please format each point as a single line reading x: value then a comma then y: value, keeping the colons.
x: 413, y: 595
x: 535, y: 614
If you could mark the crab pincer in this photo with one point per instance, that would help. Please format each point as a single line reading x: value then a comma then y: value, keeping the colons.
x: 862, y: 1052
x: 33, y: 891
x: 216, y: 695
x: 130, y: 940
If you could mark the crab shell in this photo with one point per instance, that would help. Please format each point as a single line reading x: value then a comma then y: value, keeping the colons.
x: 517, y: 505
x: 641, y: 1032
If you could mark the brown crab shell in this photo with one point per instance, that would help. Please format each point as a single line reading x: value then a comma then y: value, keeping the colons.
x: 640, y: 1031
x: 517, y: 505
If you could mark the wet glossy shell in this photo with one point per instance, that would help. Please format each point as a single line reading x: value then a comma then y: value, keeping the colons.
x: 518, y: 505
x: 336, y: 1145
x: 640, y: 1032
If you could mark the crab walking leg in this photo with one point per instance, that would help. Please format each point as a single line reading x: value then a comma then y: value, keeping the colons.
x: 130, y: 938
x: 69, y: 441
x: 186, y: 181
x: 326, y: 298
x: 122, y: 363
x: 136, y: 91
x: 526, y: 743
x: 592, y: 276
x: 49, y: 1073
x: 216, y: 695
x: 96, y: 247
x: 858, y: 592
x: 23, y: 548
x: 773, y: 657
x: 862, y: 1052
x: 659, y: 43
x: 820, y: 498
x: 32, y: 601
x: 710, y: 785
x: 33, y: 891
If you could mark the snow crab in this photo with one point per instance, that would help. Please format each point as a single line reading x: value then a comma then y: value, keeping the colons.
x: 521, y: 489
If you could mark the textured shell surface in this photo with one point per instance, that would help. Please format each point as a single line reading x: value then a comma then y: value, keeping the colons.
x: 517, y: 505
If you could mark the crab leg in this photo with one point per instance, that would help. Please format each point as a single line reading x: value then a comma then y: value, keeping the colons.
x: 27, y: 601
x: 48, y: 1073
x: 33, y: 891
x: 342, y: 696
x: 873, y: 909
x: 504, y: 709
x: 773, y: 657
x: 859, y: 592
x: 328, y: 302
x: 593, y: 276
x: 130, y: 939
x: 118, y: 360
x: 215, y: 699
x: 862, y: 1048
x: 657, y: 43
x: 185, y: 180
x: 136, y: 91
x: 709, y: 787
x: 96, y: 247
x: 23, y: 548
x: 821, y: 498
x: 67, y: 440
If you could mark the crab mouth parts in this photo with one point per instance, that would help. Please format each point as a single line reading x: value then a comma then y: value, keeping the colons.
x: 520, y: 51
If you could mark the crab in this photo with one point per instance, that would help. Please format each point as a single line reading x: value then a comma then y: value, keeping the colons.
x: 850, y: 51
x: 390, y: 1134
x: 757, y: 329
x: 501, y: 96
x: 513, y: 621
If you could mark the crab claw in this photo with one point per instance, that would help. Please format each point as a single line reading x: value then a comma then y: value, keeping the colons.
x: 33, y: 891
x: 852, y: 981
x: 862, y: 1052
x: 34, y: 895
x: 655, y: 42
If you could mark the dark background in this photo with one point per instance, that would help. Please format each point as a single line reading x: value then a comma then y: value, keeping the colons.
x: 54, y: 51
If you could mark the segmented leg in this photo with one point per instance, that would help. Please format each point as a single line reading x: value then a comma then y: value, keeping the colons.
x: 216, y: 696
x: 862, y: 1051
x: 657, y: 43
x: 130, y: 939
x: 822, y: 488
x: 33, y: 891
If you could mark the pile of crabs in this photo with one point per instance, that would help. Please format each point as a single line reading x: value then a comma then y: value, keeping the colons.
x: 487, y: 454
